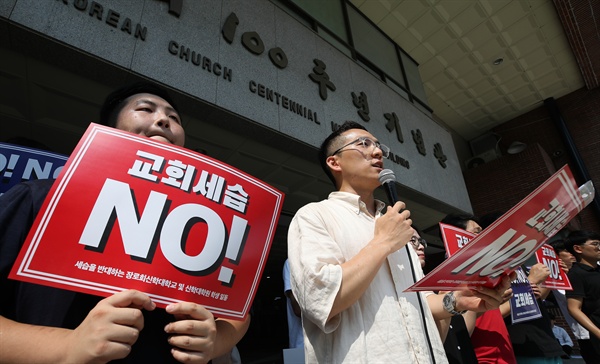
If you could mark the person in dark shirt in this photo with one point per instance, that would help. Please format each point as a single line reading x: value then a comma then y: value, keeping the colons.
x: 482, y: 335
x: 42, y: 324
x: 533, y: 340
x: 583, y: 302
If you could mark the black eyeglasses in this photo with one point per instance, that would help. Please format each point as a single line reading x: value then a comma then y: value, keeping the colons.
x: 415, y: 242
x: 368, y: 145
x: 594, y: 243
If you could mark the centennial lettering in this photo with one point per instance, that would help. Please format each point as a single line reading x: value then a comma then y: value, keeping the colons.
x: 285, y: 102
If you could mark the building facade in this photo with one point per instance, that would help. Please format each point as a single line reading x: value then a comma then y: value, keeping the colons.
x: 259, y: 87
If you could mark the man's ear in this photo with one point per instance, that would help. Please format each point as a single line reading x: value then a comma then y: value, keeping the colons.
x: 332, y: 162
x: 577, y: 249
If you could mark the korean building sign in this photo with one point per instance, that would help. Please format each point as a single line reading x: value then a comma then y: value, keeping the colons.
x: 253, y: 59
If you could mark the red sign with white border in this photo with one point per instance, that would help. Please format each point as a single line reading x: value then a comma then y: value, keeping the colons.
x: 128, y: 212
x: 558, y: 278
x: 511, y: 239
x: 455, y: 238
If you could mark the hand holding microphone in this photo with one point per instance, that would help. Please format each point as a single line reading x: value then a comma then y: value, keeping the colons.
x: 394, y: 226
x: 388, y: 180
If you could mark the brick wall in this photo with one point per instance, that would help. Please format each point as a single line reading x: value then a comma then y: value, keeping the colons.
x: 581, y: 29
x: 500, y: 184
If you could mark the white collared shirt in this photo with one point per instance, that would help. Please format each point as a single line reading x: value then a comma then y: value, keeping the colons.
x: 385, y: 325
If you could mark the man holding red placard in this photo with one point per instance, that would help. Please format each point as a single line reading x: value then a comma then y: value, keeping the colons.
x: 49, y: 325
x: 350, y: 267
x: 567, y: 259
x: 487, y: 334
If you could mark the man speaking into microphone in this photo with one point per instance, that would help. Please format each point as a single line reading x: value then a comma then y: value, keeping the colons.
x: 349, y: 269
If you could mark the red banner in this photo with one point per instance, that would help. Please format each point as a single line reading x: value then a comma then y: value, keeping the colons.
x: 558, y: 278
x: 130, y: 212
x: 510, y: 240
x: 455, y: 238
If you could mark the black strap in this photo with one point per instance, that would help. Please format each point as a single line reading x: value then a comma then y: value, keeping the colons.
x: 412, y: 269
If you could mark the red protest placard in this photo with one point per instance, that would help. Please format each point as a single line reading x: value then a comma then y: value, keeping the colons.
x: 131, y: 212
x: 510, y: 240
x: 454, y: 238
x: 558, y: 278
x: 523, y: 304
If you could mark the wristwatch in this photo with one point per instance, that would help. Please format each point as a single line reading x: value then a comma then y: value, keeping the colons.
x: 449, y: 303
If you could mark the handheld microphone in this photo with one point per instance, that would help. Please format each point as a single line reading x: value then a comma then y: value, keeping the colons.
x: 387, y: 180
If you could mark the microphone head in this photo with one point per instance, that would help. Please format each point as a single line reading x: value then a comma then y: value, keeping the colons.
x: 387, y: 175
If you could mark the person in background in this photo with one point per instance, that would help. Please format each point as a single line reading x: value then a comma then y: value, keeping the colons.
x: 485, y: 334
x: 419, y: 244
x: 562, y: 336
x: 533, y: 340
x: 583, y: 301
x: 42, y: 324
x: 296, y: 337
x: 559, y: 295
x: 350, y: 267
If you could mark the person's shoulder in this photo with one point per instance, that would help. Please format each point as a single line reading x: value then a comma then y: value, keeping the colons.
x: 312, y: 207
x: 579, y: 269
x: 574, y: 269
x: 35, y: 189
x: 577, y: 276
x: 34, y: 185
x: 314, y: 213
x: 42, y: 185
x: 38, y: 189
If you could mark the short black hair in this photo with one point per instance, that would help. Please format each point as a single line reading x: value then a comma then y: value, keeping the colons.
x: 488, y: 219
x: 558, y: 245
x: 579, y: 237
x: 115, y: 101
x: 458, y: 220
x: 326, y: 147
x: 416, y: 228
